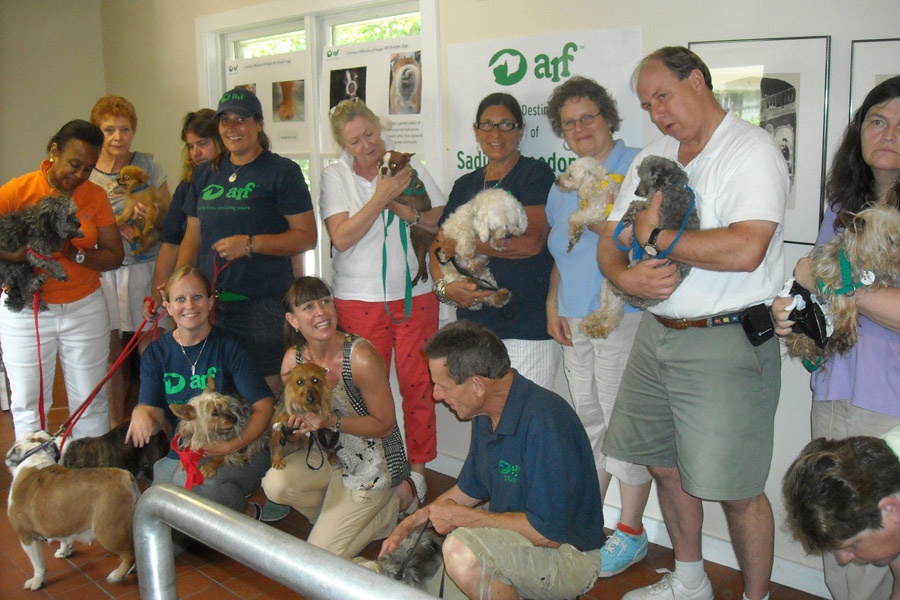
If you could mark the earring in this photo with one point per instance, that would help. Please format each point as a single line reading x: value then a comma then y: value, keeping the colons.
x: 52, y: 160
x: 566, y: 146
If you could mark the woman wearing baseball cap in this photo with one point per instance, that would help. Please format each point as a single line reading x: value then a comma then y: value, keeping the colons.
x: 249, y: 211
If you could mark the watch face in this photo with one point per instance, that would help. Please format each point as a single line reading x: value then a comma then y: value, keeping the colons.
x: 79, y: 257
x: 651, y: 250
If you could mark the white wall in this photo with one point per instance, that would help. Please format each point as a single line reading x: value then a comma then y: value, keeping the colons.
x: 58, y: 57
x: 51, y: 71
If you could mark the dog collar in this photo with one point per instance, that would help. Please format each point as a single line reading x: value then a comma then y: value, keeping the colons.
x: 416, y: 188
x: 35, y: 450
x: 848, y: 285
x: 140, y: 188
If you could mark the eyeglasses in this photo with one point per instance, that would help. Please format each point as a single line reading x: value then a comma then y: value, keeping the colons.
x: 502, y: 126
x: 585, y: 120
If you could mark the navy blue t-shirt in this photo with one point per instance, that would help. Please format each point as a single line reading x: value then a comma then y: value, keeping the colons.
x: 538, y: 461
x: 525, y: 317
x: 175, y: 222
x: 265, y: 191
x: 166, y: 372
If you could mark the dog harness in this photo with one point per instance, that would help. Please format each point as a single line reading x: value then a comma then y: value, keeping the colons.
x: 637, y: 251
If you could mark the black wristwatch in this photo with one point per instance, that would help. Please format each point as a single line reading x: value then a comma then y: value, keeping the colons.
x: 650, y: 247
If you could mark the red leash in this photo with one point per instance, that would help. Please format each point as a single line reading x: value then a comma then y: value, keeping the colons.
x: 190, y: 462
x: 133, y: 343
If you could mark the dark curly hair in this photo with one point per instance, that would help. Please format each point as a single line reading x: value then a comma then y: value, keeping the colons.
x: 582, y: 87
x: 850, y: 186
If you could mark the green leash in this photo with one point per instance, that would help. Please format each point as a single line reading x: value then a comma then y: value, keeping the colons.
x: 407, y: 300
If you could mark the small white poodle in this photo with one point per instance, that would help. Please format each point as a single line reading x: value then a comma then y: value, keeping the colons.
x: 491, y: 216
x: 597, y: 189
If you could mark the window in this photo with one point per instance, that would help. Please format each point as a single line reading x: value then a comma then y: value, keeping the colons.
x: 230, y: 37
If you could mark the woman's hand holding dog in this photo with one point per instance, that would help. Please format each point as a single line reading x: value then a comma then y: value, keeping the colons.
x: 391, y: 186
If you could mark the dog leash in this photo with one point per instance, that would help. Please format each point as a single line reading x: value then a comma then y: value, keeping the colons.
x: 407, y: 296
x: 66, y: 428
x: 638, y: 251
x: 480, y: 283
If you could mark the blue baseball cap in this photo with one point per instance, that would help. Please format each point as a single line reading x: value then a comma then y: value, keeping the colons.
x: 241, y: 102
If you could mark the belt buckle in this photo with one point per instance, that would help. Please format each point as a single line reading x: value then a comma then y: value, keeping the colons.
x: 680, y: 324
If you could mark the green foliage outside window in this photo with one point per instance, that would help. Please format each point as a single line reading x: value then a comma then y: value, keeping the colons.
x: 377, y: 29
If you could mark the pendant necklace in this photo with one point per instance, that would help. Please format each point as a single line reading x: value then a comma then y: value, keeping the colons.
x: 193, y: 364
x: 498, y: 182
x: 233, y: 177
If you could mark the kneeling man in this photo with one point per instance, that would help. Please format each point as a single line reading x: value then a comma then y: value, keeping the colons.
x: 531, y: 460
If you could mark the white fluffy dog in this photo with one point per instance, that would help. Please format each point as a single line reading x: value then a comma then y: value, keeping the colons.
x: 597, y: 189
x: 867, y: 253
x: 491, y: 216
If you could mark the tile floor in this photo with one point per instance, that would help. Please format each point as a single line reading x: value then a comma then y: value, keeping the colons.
x: 206, y: 574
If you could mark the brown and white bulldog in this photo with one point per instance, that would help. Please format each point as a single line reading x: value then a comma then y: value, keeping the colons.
x: 50, y: 502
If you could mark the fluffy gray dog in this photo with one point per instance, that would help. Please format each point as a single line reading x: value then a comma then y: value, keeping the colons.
x: 415, y: 560
x: 43, y: 229
x: 657, y: 174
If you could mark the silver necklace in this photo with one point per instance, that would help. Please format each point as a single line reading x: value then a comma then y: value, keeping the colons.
x: 498, y: 182
x: 193, y: 364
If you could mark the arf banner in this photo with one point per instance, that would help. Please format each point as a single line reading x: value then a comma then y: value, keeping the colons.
x: 529, y: 68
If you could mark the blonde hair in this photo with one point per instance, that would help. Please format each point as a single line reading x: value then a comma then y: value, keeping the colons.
x: 347, y: 110
x: 183, y: 272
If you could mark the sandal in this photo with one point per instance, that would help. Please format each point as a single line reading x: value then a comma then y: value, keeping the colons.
x: 419, y: 488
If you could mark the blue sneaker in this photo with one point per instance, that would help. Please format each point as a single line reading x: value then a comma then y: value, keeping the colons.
x: 620, y: 551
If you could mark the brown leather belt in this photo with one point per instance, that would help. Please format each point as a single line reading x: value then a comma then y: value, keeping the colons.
x: 715, y: 321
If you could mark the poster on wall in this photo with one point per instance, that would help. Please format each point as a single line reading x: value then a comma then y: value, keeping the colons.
x: 280, y: 83
x: 530, y: 68
x: 387, y: 76
x: 781, y: 85
x: 871, y: 62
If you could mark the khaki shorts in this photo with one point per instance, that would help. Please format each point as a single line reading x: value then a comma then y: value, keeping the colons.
x: 535, y: 572
x: 702, y: 400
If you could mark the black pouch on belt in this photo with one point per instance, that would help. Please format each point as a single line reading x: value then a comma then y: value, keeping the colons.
x: 758, y: 324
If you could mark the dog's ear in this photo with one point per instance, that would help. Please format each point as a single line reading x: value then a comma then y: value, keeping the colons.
x: 185, y: 412
x: 210, y: 384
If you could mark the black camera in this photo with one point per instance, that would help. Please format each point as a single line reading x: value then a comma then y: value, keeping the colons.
x: 758, y: 324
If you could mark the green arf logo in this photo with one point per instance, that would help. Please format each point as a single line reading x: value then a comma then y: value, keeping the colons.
x: 509, y: 66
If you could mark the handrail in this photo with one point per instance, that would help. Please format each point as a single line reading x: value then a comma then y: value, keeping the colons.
x: 306, y: 569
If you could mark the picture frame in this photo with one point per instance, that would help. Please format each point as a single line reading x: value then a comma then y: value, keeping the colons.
x: 871, y: 62
x: 781, y: 84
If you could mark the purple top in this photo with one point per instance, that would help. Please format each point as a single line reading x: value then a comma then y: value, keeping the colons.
x: 875, y: 357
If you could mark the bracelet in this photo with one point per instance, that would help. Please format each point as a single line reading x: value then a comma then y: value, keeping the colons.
x: 416, y: 220
x: 248, y: 250
x: 337, y: 424
x: 438, y: 289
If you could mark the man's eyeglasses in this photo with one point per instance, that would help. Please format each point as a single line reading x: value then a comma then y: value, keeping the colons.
x: 502, y: 126
x: 585, y: 120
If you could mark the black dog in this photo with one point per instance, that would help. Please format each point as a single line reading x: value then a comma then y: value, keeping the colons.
x: 110, y: 450
x: 43, y: 229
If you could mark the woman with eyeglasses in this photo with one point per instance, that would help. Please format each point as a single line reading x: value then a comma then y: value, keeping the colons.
x: 374, y: 263
x: 523, y: 265
x: 584, y: 114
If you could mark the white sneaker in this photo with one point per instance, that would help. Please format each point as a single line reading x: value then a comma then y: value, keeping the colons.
x: 671, y: 588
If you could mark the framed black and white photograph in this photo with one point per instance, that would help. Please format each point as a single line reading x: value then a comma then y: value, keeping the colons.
x: 871, y: 62
x: 781, y: 85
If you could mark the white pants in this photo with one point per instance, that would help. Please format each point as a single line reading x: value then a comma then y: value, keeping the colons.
x: 594, y: 368
x: 536, y: 360
x: 77, y: 332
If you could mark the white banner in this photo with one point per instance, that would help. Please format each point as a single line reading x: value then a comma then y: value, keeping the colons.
x: 280, y: 83
x: 529, y: 68
x: 387, y: 76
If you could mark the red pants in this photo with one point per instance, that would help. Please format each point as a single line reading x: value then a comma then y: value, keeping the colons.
x: 405, y: 340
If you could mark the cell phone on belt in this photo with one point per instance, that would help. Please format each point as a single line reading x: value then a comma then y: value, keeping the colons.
x: 758, y: 324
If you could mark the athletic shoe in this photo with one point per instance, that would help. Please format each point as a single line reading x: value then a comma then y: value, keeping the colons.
x: 273, y: 512
x: 671, y: 588
x: 621, y: 551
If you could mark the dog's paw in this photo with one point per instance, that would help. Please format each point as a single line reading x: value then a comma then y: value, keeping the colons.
x: 35, y: 583
x: 501, y: 298
x: 209, y: 469
x: 65, y: 550
x: 278, y: 464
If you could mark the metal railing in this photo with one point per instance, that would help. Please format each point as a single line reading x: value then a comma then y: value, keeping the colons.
x: 306, y: 569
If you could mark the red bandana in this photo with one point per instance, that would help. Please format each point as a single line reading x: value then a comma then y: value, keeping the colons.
x: 190, y: 460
